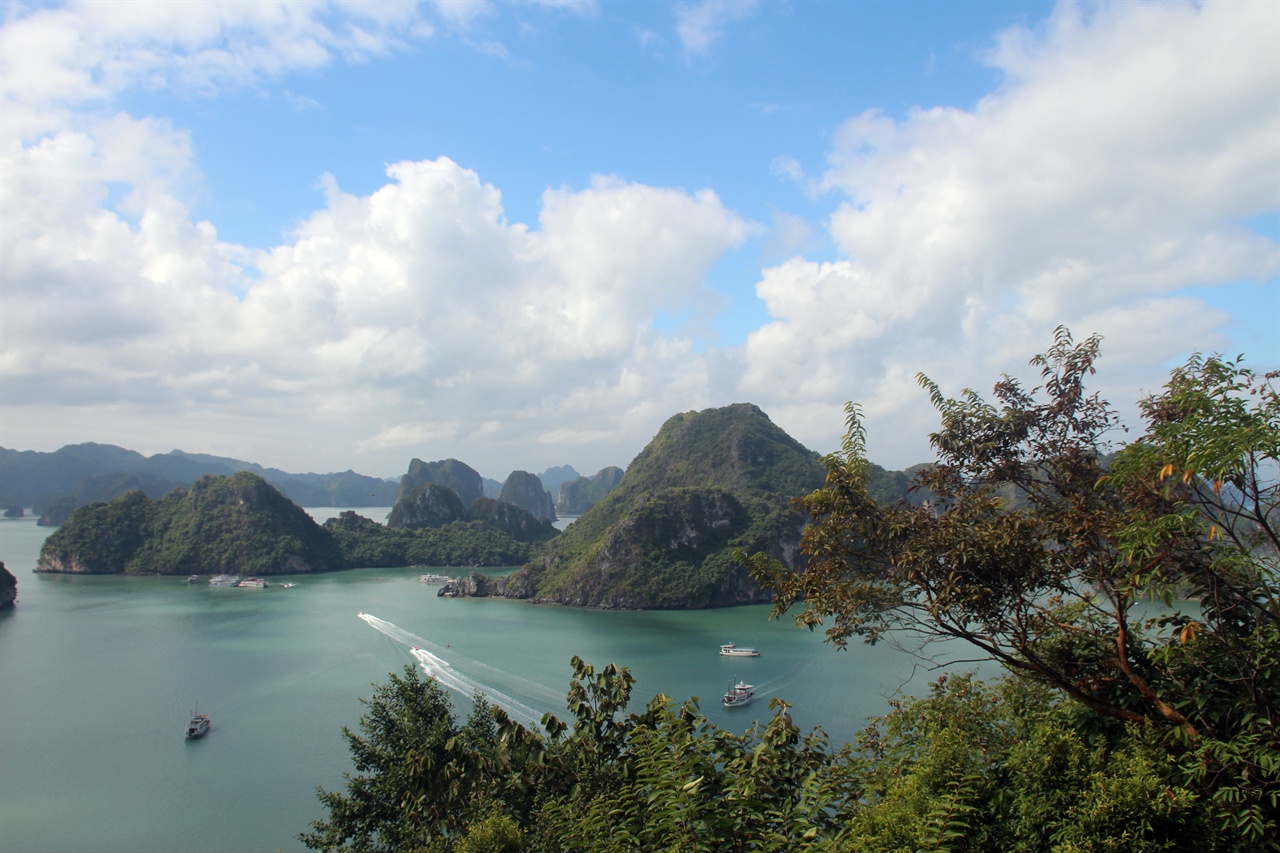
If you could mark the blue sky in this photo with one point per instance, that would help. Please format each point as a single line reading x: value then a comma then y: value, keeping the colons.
x: 331, y: 235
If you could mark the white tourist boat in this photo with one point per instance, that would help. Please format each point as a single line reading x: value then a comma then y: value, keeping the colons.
x: 253, y: 583
x: 224, y: 580
x: 198, y: 726
x: 739, y: 694
x: 434, y: 578
x: 732, y: 651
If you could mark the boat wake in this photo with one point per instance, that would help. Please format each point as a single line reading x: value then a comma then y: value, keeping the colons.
x: 433, y: 665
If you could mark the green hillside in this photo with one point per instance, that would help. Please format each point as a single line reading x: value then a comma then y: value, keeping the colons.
x: 708, y: 482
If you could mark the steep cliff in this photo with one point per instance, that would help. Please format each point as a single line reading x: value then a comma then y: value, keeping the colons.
x: 579, y: 495
x: 428, y: 505
x: 525, y: 490
x: 462, y: 479
x: 708, y: 483
x: 511, y: 520
x: 8, y: 588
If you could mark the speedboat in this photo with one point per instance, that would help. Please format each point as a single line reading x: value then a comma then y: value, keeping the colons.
x: 739, y: 694
x: 199, y: 725
x: 732, y: 651
x: 193, y: 579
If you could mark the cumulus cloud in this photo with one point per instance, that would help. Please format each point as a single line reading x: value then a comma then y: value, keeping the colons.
x: 410, y: 315
x: 1111, y: 169
x: 90, y: 51
x: 1108, y: 173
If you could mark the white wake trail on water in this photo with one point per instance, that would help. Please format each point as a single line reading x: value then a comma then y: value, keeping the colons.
x: 439, y: 669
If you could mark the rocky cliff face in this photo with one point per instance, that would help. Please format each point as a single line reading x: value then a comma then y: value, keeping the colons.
x: 578, y: 496
x: 511, y: 520
x: 428, y: 505
x: 462, y: 479
x: 8, y: 588
x: 676, y: 535
x: 525, y: 490
x: 710, y: 482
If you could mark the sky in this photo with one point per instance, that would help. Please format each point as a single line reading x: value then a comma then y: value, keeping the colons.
x: 324, y: 236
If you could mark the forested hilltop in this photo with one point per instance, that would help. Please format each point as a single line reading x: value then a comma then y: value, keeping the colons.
x: 241, y: 524
x: 1119, y: 726
x: 708, y: 483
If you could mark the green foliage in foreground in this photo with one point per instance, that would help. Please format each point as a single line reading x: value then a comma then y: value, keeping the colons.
x: 1116, y: 730
x: 1147, y: 590
x: 1006, y: 767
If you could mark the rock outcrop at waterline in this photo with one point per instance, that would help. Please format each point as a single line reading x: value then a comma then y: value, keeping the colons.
x: 8, y: 588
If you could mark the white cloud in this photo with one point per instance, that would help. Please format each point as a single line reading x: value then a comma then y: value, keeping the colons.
x: 406, y: 316
x: 700, y: 25
x: 90, y: 51
x: 1108, y: 173
x: 1111, y: 170
x: 461, y: 13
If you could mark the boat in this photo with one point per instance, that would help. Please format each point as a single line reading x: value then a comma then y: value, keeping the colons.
x: 434, y: 578
x: 193, y: 579
x: 732, y: 651
x: 739, y: 694
x: 253, y: 583
x: 198, y: 726
x: 224, y: 580
x: 287, y: 585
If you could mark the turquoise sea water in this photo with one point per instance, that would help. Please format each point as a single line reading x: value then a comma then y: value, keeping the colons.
x: 98, y: 676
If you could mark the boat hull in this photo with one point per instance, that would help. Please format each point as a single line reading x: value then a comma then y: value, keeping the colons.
x: 739, y: 695
x: 198, y: 727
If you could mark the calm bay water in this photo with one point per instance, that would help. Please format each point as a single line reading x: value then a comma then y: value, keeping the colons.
x: 98, y: 676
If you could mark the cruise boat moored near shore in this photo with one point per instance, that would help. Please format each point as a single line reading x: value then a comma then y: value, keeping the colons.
x: 732, y: 651
x: 431, y: 577
x: 224, y: 580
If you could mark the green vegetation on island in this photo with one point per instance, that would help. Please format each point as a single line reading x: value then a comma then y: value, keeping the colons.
x: 237, y: 524
x: 708, y: 483
x: 663, y: 536
x: 1135, y: 608
x: 241, y: 524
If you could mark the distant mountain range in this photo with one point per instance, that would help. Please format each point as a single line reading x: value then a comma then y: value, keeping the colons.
x: 53, y: 484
